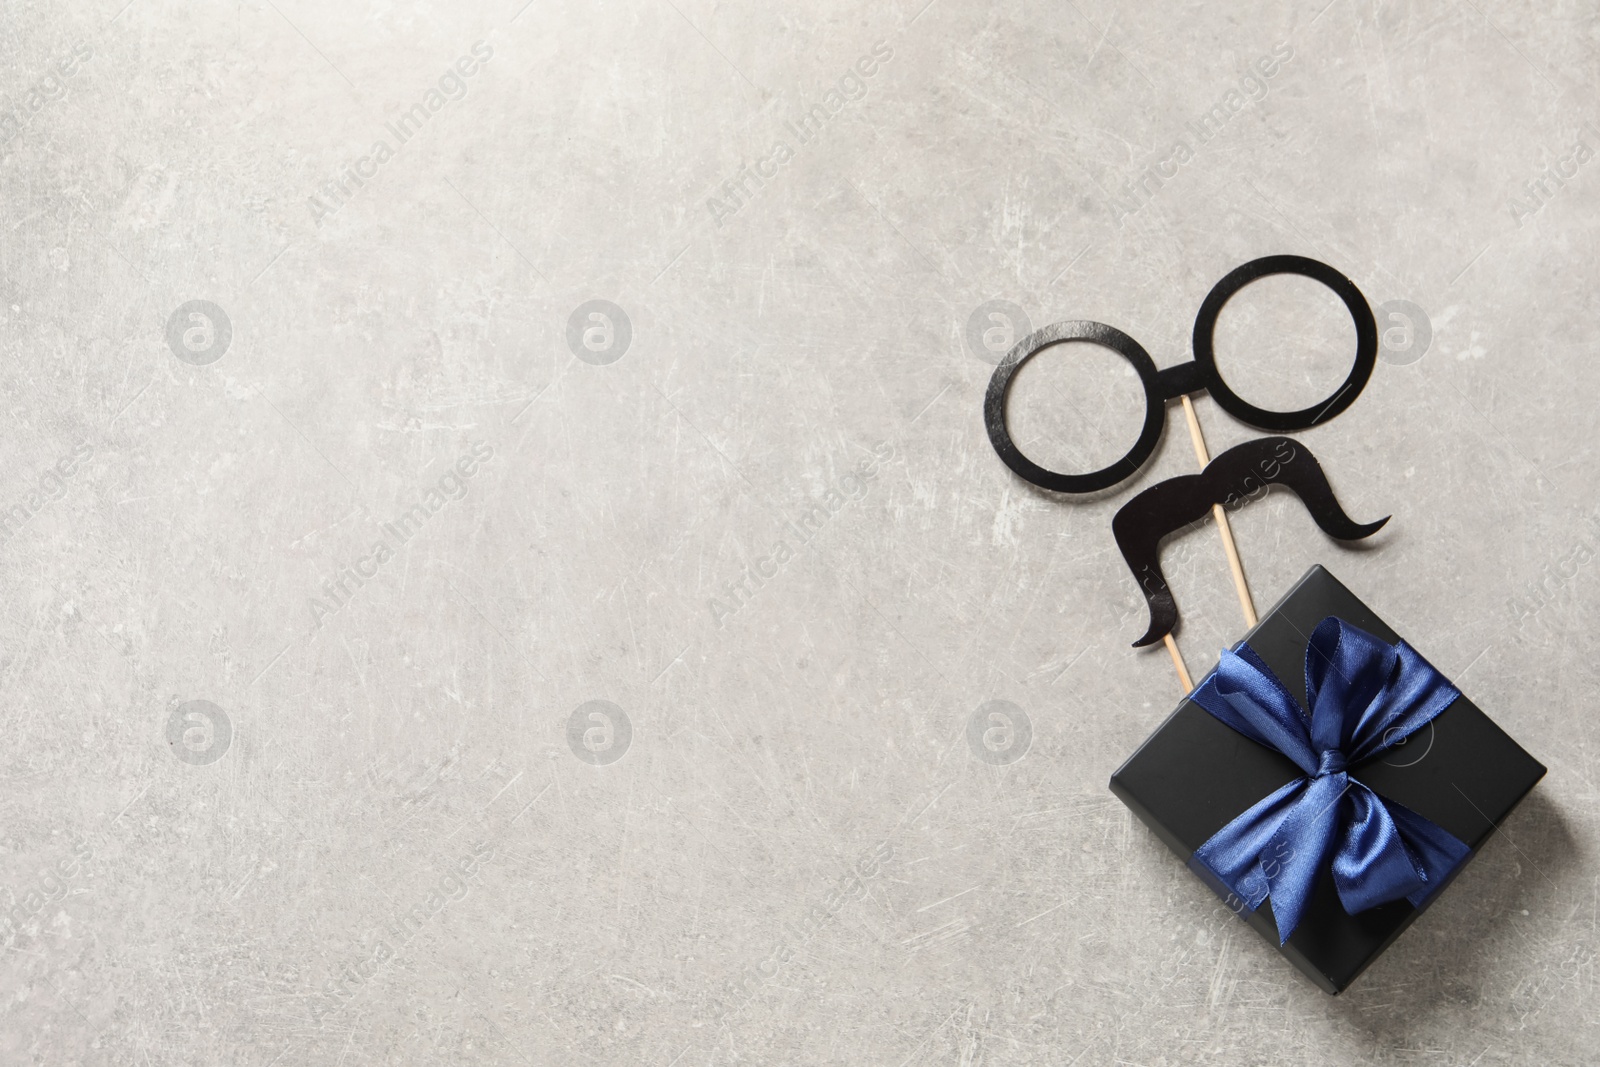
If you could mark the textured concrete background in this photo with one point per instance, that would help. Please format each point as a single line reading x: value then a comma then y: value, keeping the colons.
x: 274, y: 794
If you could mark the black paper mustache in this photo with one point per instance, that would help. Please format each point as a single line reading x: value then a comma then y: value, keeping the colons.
x: 1229, y: 479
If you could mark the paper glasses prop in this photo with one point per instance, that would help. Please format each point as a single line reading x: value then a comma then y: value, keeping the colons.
x: 1155, y: 513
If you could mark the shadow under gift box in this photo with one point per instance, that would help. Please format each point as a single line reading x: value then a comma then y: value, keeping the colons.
x: 1195, y: 774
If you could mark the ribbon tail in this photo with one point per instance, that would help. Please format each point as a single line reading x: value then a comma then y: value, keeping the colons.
x: 1372, y: 865
x: 1232, y: 852
x: 1388, y: 852
x: 1437, y: 851
x: 1299, y: 850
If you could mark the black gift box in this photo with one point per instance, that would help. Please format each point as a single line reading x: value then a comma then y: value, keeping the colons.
x: 1195, y: 774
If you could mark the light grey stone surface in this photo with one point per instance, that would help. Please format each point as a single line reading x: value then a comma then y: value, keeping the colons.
x: 665, y: 878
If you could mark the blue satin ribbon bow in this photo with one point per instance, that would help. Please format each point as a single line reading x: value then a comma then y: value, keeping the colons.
x: 1366, y: 695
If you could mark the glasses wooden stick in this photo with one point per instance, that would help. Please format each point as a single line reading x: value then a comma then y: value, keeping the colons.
x: 1245, y: 602
x: 1177, y: 661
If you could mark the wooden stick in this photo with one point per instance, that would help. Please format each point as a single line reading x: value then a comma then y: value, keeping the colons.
x: 1245, y: 602
x: 1177, y: 661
